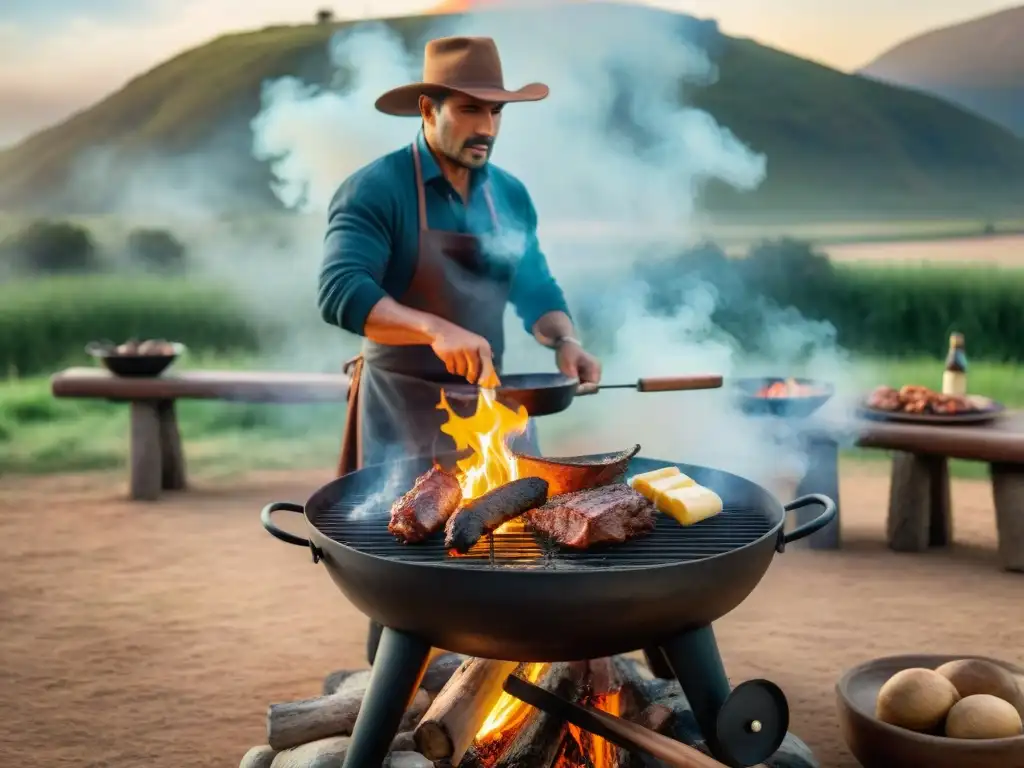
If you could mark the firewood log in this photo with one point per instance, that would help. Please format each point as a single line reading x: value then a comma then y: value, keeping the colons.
x: 407, y: 760
x: 298, y: 722
x: 328, y: 753
x: 605, y: 686
x: 451, y: 723
x: 258, y: 757
x: 538, y: 741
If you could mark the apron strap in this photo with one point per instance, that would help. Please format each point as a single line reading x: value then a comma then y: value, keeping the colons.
x: 490, y: 205
x: 351, y: 457
x: 421, y: 199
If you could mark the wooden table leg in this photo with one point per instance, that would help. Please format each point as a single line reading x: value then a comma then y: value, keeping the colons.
x: 920, y: 513
x: 822, y: 476
x: 1008, y: 495
x: 146, y: 461
x: 172, y: 459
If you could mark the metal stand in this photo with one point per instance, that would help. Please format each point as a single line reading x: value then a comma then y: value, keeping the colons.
x: 698, y: 666
x: 401, y: 662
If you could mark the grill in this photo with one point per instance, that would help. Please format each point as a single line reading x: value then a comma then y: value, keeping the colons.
x: 668, y: 543
x: 519, y: 597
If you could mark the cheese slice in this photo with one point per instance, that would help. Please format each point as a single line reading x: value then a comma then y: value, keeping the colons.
x: 663, y: 484
x: 690, y: 504
x: 642, y: 483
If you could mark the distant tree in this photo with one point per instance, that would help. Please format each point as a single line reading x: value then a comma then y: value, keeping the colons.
x: 157, y: 250
x: 324, y: 16
x: 51, y: 247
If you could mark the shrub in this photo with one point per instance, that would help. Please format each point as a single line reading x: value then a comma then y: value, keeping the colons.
x: 46, y: 322
x: 157, y: 250
x: 52, y: 247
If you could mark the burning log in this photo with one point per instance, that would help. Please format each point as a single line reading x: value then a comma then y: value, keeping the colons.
x: 538, y: 741
x: 606, y: 686
x: 299, y: 722
x: 451, y: 723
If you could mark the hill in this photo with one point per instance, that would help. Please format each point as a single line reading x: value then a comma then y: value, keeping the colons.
x: 978, y: 64
x: 834, y: 142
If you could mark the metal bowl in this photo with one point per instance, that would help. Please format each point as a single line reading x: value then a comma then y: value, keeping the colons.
x: 132, y: 366
x: 879, y: 745
x: 746, y: 393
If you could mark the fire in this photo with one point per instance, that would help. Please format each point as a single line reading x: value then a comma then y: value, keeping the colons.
x: 509, y: 713
x: 787, y: 388
x: 486, y: 433
x: 600, y: 753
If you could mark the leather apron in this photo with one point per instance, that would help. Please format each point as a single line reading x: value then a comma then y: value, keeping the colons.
x: 394, y: 390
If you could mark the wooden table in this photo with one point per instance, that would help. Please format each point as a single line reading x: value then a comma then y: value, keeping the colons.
x: 157, y: 462
x: 920, y: 514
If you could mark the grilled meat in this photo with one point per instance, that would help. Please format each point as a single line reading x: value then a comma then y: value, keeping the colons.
x: 610, y: 514
x: 917, y: 399
x: 481, y: 516
x: 426, y: 507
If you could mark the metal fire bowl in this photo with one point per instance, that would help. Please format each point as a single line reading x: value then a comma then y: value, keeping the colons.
x: 745, y: 391
x: 566, y: 606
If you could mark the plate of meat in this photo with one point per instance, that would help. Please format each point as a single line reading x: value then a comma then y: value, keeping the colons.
x: 921, y: 405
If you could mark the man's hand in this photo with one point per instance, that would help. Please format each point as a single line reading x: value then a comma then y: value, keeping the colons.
x: 574, y: 361
x: 466, y: 354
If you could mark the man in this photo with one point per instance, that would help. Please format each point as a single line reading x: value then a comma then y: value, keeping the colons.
x: 424, y: 249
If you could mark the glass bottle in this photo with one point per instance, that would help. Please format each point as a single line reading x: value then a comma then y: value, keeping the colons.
x: 954, y: 378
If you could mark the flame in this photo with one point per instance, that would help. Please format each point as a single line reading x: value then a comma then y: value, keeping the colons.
x: 600, y: 753
x: 509, y: 713
x: 486, y: 433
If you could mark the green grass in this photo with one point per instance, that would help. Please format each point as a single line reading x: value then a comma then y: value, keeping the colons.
x: 42, y: 434
x: 835, y: 143
x: 46, y: 322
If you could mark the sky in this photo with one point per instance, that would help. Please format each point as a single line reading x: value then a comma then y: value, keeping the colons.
x: 59, y: 56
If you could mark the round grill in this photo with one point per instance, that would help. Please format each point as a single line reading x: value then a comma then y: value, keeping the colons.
x: 360, y: 519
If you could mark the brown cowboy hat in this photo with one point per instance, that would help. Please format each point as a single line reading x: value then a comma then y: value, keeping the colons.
x: 468, y: 65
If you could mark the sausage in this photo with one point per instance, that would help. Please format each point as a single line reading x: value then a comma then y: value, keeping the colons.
x: 481, y: 516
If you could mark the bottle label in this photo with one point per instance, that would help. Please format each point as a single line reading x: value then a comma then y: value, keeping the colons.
x: 954, y: 383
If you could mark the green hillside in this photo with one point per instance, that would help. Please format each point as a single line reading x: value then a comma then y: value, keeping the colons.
x: 835, y: 143
x: 978, y: 64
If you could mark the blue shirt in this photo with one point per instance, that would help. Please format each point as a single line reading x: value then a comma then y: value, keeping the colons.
x: 372, y: 239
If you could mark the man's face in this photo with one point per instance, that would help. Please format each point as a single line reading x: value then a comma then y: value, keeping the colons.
x: 462, y: 128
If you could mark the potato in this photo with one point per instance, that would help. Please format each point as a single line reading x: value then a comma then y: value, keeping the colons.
x: 917, y: 699
x: 974, y: 676
x: 983, y: 716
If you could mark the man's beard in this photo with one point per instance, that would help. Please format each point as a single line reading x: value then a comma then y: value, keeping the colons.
x: 472, y: 141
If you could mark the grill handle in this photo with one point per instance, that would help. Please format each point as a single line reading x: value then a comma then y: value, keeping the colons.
x: 277, y: 533
x: 813, y: 526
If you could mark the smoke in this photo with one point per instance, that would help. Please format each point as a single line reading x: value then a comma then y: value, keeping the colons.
x: 611, y: 151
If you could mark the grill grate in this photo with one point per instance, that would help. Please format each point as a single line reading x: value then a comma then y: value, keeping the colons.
x: 520, y: 549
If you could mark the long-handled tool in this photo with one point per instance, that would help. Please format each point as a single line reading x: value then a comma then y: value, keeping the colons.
x: 616, y: 730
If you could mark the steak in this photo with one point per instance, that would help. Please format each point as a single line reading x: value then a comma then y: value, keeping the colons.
x: 426, y: 507
x: 610, y: 514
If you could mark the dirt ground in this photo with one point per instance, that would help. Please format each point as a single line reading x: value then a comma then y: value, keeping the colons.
x: 156, y: 634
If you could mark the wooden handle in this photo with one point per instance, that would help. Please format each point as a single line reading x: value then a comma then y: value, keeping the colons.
x: 679, y: 383
x: 670, y: 751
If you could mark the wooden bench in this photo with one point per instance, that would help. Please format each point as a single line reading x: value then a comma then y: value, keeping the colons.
x: 156, y: 459
x: 920, y: 514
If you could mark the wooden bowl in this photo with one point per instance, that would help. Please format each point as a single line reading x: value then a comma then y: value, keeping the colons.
x: 879, y: 745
